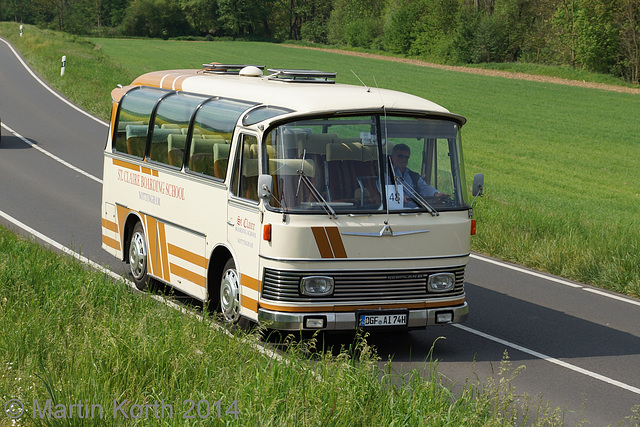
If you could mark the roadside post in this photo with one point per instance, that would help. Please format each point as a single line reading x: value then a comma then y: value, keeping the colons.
x: 64, y: 61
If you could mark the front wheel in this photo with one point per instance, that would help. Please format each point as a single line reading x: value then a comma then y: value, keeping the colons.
x: 138, y: 258
x: 230, y: 293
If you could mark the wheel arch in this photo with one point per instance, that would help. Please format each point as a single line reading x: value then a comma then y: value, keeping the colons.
x: 219, y: 257
x: 132, y: 219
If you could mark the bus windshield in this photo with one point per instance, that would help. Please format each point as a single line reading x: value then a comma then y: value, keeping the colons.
x: 366, y: 164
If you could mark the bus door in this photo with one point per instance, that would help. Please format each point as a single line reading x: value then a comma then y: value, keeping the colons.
x: 244, y: 227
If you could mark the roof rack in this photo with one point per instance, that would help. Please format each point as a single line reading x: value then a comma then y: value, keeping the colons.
x: 215, y: 68
x: 301, y: 76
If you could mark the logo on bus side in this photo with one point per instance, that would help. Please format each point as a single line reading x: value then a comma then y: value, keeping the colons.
x: 150, y: 183
x: 247, y: 228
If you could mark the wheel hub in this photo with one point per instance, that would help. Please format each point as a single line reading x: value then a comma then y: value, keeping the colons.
x: 137, y: 256
x: 230, y: 296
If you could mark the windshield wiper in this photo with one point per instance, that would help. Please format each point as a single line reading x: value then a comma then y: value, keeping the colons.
x: 313, y: 190
x: 417, y: 197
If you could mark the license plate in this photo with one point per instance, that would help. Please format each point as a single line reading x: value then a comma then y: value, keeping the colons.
x: 366, y: 320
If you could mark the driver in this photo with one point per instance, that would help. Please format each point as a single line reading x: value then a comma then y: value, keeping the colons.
x: 400, y: 158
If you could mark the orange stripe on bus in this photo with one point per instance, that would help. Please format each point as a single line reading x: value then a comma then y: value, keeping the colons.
x: 340, y: 308
x: 188, y: 256
x: 189, y: 275
x: 153, y: 257
x: 249, y: 303
x: 336, y: 242
x: 112, y: 243
x: 322, y: 241
x: 251, y: 283
x: 110, y: 225
x: 163, y: 251
x: 127, y: 165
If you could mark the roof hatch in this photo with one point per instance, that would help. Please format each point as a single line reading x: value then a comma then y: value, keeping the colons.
x: 301, y: 76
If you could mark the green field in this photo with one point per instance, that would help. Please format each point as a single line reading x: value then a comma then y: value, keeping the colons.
x: 562, y: 196
x: 562, y: 193
x: 72, y: 336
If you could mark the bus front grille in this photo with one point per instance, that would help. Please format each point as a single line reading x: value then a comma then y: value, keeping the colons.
x: 360, y: 286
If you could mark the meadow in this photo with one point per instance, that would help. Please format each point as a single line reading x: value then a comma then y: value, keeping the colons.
x: 561, y: 196
x: 102, y: 354
x: 562, y: 193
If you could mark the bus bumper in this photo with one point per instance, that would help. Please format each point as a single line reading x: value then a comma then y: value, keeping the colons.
x: 346, y: 321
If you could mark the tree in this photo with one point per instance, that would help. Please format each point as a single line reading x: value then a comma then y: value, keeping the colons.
x: 597, y: 41
x: 202, y: 15
x: 356, y: 23
x: 242, y: 17
x: 155, y: 18
x: 628, y: 18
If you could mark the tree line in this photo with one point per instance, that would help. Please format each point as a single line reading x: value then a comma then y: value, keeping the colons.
x: 597, y: 35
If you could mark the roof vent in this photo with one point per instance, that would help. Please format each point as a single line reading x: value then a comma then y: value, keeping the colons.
x: 302, y: 76
x: 215, y: 68
x: 251, y: 71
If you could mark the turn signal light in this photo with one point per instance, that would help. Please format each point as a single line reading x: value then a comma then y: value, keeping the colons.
x: 473, y: 227
x: 266, y: 232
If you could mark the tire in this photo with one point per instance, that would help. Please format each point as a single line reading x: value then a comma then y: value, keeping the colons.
x: 229, y: 295
x: 138, y: 259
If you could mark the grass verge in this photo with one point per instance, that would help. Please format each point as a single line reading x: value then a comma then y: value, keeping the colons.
x: 561, y: 184
x: 79, y: 349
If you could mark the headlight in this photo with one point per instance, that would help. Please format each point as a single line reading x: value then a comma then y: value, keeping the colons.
x: 441, y: 282
x: 316, y: 286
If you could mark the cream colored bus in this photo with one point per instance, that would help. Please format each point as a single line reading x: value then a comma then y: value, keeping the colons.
x: 284, y: 198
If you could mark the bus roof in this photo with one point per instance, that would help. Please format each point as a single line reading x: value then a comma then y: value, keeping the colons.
x: 305, y: 97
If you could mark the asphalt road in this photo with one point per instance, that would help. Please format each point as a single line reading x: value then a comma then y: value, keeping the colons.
x: 580, y: 347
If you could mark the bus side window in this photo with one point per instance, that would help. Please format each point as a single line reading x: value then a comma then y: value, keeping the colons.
x: 132, y: 123
x: 244, y: 181
x: 171, y: 124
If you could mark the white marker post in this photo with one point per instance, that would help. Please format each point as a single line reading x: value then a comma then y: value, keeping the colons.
x: 20, y: 30
x: 64, y: 61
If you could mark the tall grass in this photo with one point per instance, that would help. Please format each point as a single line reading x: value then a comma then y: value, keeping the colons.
x: 72, y: 336
x: 562, y: 193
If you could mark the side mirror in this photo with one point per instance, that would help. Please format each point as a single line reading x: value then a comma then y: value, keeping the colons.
x: 265, y: 186
x: 478, y: 185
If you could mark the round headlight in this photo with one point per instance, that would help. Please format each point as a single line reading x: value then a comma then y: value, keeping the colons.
x: 316, y: 286
x: 441, y: 282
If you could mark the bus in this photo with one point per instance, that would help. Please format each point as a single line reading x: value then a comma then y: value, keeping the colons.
x: 282, y: 198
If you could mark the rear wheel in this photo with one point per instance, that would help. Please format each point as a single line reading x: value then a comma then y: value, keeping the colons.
x: 138, y: 258
x: 230, y: 293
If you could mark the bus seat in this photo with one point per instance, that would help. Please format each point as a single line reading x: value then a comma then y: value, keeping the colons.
x: 122, y: 126
x: 290, y: 166
x: 249, y: 181
x: 290, y: 138
x: 349, y: 169
x: 220, y: 160
x: 314, y: 147
x: 159, y: 150
x: 136, y: 139
x: 218, y: 138
x: 202, y: 163
x: 176, y: 156
x: 176, y: 140
x: 171, y: 126
x: 254, y: 148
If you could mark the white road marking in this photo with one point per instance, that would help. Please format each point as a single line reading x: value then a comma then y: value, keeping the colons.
x: 83, y: 259
x: 52, y: 243
x: 56, y: 94
x: 550, y: 359
x: 561, y: 281
x: 53, y: 156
